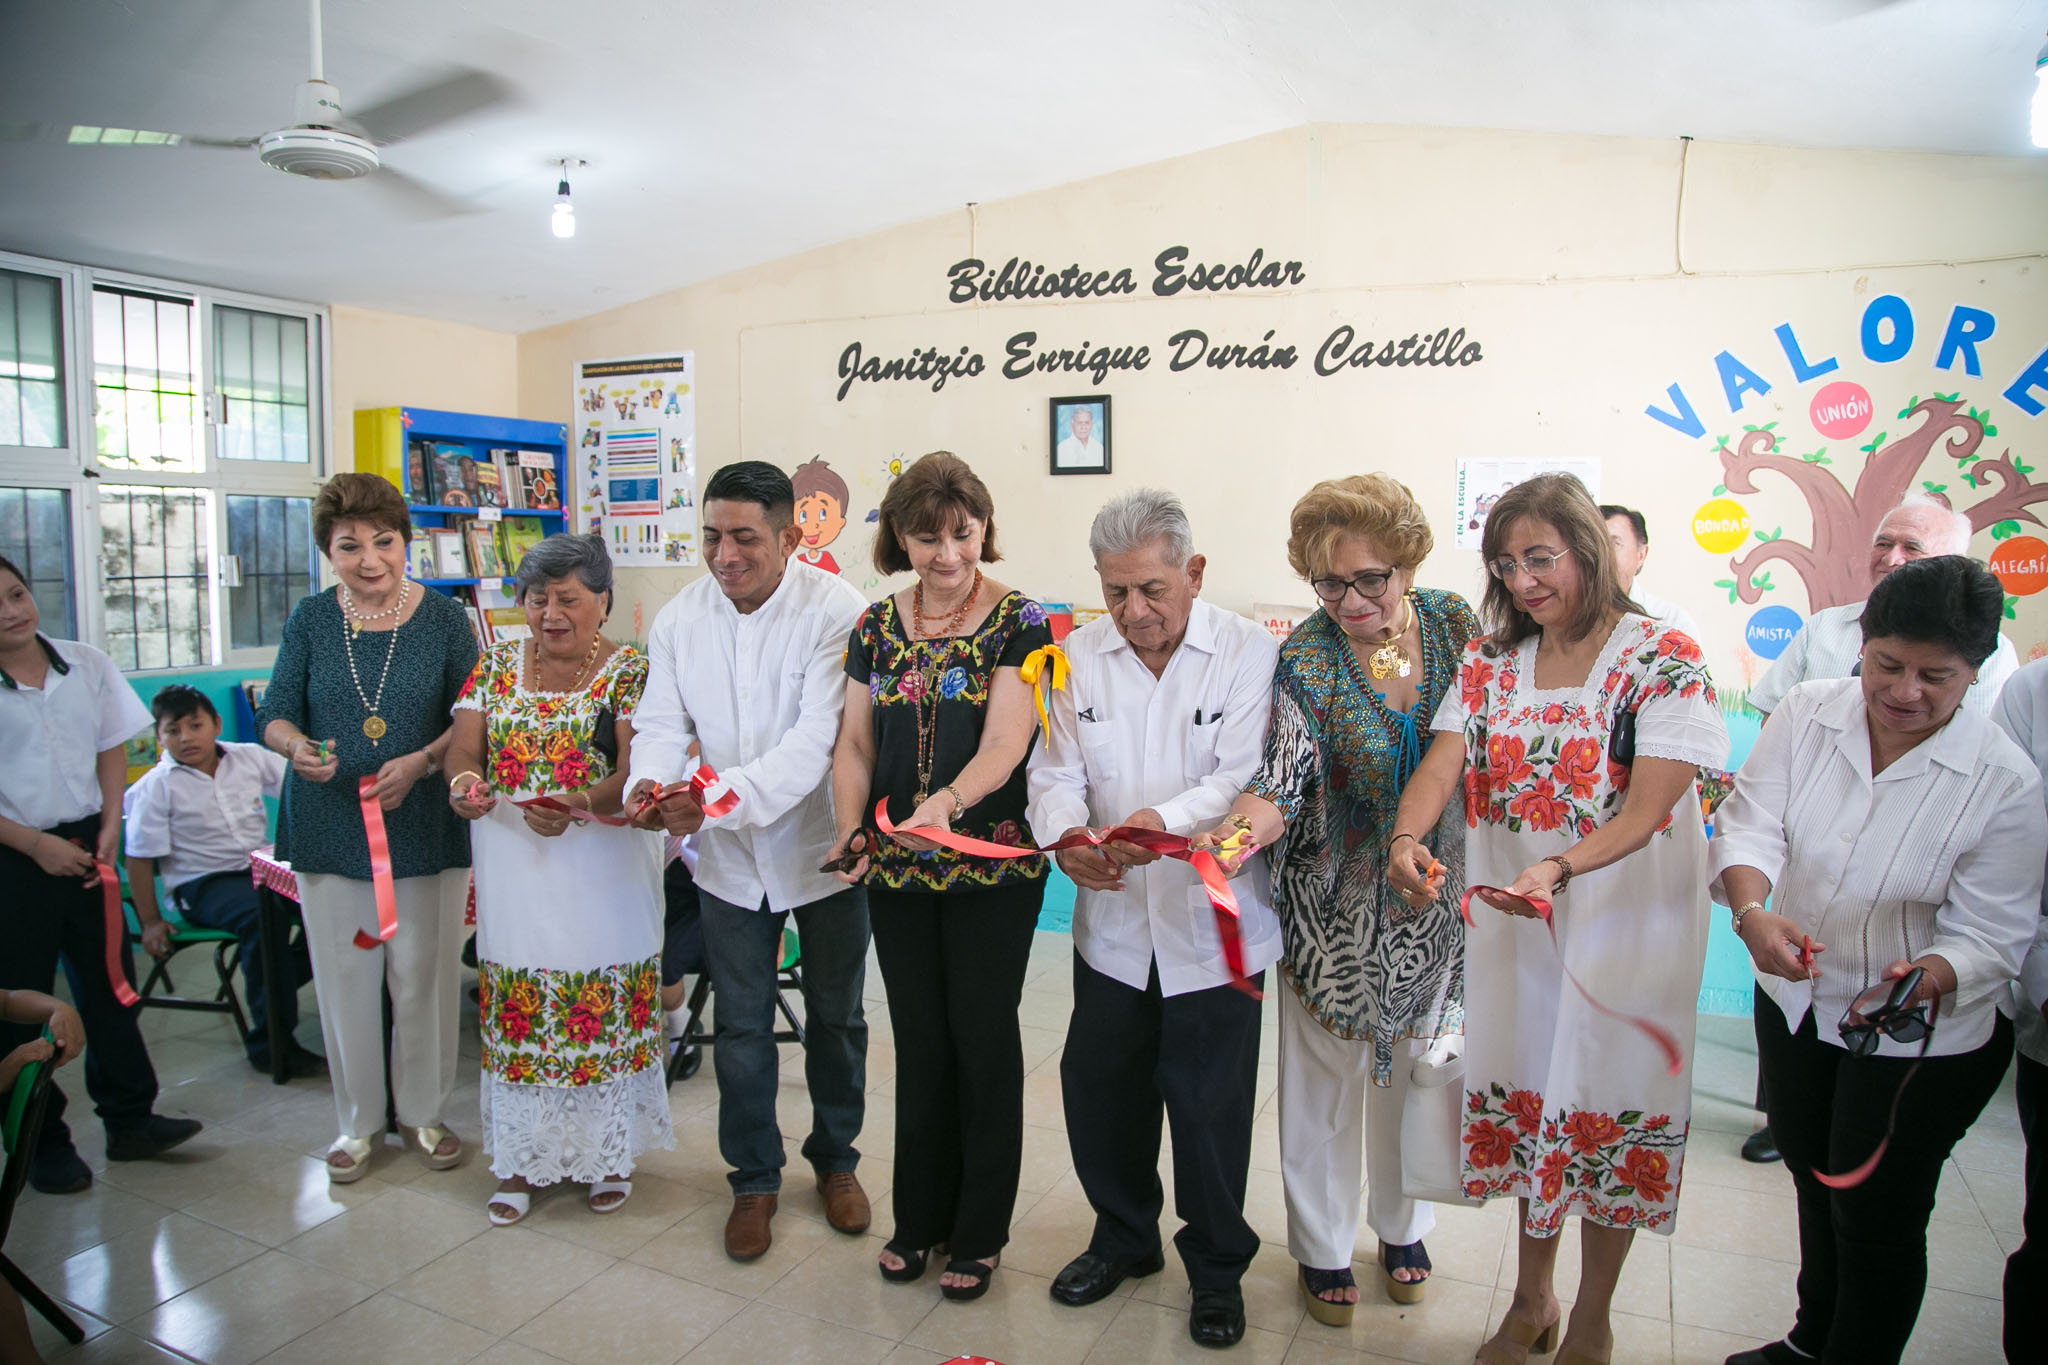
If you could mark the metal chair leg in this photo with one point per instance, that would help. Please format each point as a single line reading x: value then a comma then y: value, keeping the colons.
x: 32, y: 1294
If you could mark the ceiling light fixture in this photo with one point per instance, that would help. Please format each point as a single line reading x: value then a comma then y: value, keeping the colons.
x: 2041, y: 98
x: 563, y: 220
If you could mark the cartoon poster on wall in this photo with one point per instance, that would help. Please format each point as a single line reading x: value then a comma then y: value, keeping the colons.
x: 635, y: 462
x: 1481, y: 482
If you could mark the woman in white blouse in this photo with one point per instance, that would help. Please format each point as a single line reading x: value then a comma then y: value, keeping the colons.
x: 1891, y: 831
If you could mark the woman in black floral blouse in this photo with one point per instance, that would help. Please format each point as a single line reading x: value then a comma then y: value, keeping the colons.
x: 938, y: 722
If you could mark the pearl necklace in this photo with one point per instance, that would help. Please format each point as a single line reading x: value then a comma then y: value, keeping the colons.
x: 373, y: 727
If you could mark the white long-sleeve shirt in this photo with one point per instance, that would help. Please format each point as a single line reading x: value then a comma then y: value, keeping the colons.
x: 2023, y: 714
x: 1829, y: 646
x: 1182, y: 744
x: 761, y: 694
x: 1939, y: 853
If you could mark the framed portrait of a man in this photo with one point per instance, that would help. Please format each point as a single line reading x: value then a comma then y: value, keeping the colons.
x: 1080, y: 434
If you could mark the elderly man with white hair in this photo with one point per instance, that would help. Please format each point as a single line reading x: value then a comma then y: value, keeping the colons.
x: 1160, y: 724
x: 1832, y: 642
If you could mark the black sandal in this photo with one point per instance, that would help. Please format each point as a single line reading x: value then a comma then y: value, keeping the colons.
x: 1316, y: 1283
x: 913, y: 1264
x: 961, y: 1293
x: 1410, y: 1257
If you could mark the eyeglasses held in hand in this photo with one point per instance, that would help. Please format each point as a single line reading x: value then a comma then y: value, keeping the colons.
x: 1371, y: 586
x: 856, y: 849
x: 1886, y: 1009
x: 1536, y: 565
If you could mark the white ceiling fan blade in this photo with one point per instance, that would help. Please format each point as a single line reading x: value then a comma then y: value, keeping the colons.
x: 417, y: 199
x: 456, y: 93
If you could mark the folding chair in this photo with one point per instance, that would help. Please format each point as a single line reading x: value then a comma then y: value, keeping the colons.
x: 688, y: 1054
x: 227, y: 957
x: 23, y: 1125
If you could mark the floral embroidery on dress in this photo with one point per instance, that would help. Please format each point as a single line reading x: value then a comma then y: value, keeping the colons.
x: 541, y: 1026
x: 1617, y: 1169
x: 544, y: 741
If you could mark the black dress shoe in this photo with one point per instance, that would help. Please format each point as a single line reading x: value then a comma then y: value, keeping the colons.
x: 1777, y: 1353
x: 154, y: 1136
x: 1760, y: 1147
x: 1089, y: 1278
x: 62, y: 1172
x: 1217, y: 1319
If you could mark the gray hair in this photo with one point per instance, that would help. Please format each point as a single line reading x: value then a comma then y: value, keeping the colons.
x: 1960, y: 527
x: 561, y: 555
x: 1131, y: 521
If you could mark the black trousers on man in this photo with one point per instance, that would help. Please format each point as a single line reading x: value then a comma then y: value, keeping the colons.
x: 2026, y: 1270
x: 1863, y: 1250
x: 45, y: 920
x: 1132, y: 1055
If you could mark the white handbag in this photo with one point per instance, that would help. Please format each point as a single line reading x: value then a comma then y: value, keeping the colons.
x: 1431, y: 1126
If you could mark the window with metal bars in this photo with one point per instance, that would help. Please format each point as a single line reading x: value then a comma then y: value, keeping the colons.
x: 35, y: 535
x: 31, y: 360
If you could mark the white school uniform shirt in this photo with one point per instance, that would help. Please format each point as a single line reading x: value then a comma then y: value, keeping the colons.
x: 1668, y: 613
x: 51, y: 736
x: 1123, y: 741
x: 195, y: 825
x: 761, y: 694
x: 1831, y: 643
x: 1939, y: 853
x: 2023, y: 713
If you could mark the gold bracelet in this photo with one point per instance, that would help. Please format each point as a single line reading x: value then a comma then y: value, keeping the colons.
x: 456, y: 781
x: 1741, y: 913
x: 959, y: 802
x: 1240, y: 821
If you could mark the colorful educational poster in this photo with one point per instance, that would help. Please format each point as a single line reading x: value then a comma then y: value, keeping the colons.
x: 635, y: 457
x: 1481, y: 482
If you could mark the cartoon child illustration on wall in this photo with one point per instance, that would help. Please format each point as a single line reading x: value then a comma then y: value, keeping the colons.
x: 675, y: 403
x: 820, y: 512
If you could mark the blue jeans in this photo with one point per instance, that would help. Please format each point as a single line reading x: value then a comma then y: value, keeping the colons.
x: 227, y: 901
x: 743, y: 949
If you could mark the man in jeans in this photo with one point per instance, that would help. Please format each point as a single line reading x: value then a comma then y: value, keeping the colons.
x: 745, y: 662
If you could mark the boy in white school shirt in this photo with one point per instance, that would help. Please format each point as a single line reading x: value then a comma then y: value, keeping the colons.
x: 194, y: 819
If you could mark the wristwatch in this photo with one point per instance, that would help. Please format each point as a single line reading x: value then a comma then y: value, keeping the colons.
x: 432, y: 766
x: 1740, y: 913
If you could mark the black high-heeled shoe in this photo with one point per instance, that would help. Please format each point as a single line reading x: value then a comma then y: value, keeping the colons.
x: 961, y: 1293
x: 913, y: 1267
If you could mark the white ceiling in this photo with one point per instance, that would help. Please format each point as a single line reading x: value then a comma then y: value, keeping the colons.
x: 725, y: 134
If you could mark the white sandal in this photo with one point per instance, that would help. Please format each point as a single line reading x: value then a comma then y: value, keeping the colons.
x: 519, y: 1201
x: 622, y: 1188
x: 357, y: 1150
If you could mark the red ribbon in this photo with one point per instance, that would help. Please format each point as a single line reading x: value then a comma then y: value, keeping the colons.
x: 117, y: 933
x: 1674, y: 1060
x: 701, y: 781
x: 380, y: 866
x: 1229, y: 925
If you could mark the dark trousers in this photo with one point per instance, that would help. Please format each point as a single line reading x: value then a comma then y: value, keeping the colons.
x: 1132, y: 1054
x: 2026, y: 1271
x: 744, y: 952
x: 1863, y: 1251
x: 45, y: 920
x: 954, y: 969
x: 227, y: 901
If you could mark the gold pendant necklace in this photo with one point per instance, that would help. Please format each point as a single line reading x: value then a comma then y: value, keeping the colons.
x: 1390, y: 660
x: 374, y: 727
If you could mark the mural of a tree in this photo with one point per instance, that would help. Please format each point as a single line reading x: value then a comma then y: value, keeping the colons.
x: 1834, y: 566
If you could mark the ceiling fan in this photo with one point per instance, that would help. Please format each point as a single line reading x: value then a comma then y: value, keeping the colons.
x: 323, y: 142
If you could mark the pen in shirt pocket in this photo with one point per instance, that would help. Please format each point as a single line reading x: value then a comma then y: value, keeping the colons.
x: 1214, y: 716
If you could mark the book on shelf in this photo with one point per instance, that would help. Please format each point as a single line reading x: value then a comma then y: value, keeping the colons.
x: 419, y: 477
x: 421, y: 554
x: 454, y: 475
x: 507, y: 623
x: 485, y: 558
x: 451, y: 560
x: 490, y: 481
x: 540, y: 489
x: 507, y: 462
x: 517, y: 535
x: 477, y: 627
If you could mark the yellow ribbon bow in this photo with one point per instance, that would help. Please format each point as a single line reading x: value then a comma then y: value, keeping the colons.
x: 1048, y: 662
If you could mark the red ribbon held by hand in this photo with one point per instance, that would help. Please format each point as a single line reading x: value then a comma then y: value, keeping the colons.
x: 701, y: 781
x: 380, y: 866
x: 1674, y: 1059
x: 117, y: 933
x: 1214, y: 881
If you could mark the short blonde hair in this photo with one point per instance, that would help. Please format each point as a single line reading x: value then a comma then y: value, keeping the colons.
x: 1376, y: 507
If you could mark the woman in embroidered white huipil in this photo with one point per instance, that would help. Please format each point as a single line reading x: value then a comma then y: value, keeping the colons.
x: 569, y: 911
x: 1574, y: 735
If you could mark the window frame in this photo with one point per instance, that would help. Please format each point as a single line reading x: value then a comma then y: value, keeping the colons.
x: 76, y: 468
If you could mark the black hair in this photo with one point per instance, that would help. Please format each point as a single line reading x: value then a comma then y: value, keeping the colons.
x: 756, y: 481
x: 8, y: 565
x: 175, y: 701
x: 1635, y: 520
x: 1950, y: 601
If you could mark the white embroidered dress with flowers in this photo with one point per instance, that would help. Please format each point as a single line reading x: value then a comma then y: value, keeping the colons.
x: 568, y: 938
x: 1567, y: 1107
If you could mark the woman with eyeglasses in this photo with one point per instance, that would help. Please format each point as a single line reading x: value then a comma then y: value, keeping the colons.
x: 1892, y: 835
x: 1373, y: 980
x: 1575, y: 736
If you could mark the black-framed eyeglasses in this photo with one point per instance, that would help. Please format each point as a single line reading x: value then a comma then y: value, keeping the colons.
x: 1886, y: 1009
x: 1371, y: 586
x: 1535, y: 564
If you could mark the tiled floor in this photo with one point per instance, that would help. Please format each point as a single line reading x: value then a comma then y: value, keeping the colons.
x: 235, y: 1248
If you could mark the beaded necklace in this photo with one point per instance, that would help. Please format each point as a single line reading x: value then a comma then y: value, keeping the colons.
x: 352, y: 626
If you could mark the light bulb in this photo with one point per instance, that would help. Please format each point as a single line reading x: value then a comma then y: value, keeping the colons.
x: 2041, y: 99
x: 563, y: 221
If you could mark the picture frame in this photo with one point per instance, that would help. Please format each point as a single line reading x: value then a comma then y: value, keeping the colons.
x: 1082, y: 451
x: 450, y: 558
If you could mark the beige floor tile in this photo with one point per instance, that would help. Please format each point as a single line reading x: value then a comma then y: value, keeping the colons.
x: 1272, y: 1296
x: 388, y: 1238
x: 1041, y: 1045
x: 51, y: 1343
x: 630, y: 1315
x: 1043, y: 1106
x: 386, y: 1330
x: 760, y: 1332
x: 1047, y: 1009
x: 1698, y: 1346
x: 118, y: 1347
x: 694, y: 1249
x: 145, y: 1267
x: 1016, y: 1320
x: 251, y: 1310
x: 1266, y: 1140
x: 656, y: 1206
x: 1995, y: 1149
x: 1966, y: 1259
x: 1637, y: 1340
x: 1466, y: 1243
x: 1444, y: 1327
x: 1265, y: 1206
x: 1052, y: 1233
x: 1740, y: 1221
x: 2001, y: 1196
x: 1150, y: 1333
x: 217, y: 1159
x: 512, y: 1353
x: 800, y: 1197
x: 1714, y: 1157
x: 48, y: 1228
x: 1047, y: 1160
x: 500, y: 1281
x: 302, y: 1122
x: 916, y: 1355
x: 1955, y: 1202
x: 1958, y: 1329
x: 277, y: 1205
x: 1740, y: 1295
x: 838, y: 1283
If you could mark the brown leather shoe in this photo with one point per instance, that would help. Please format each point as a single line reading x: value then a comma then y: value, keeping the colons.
x: 846, y: 1203
x: 746, y: 1232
